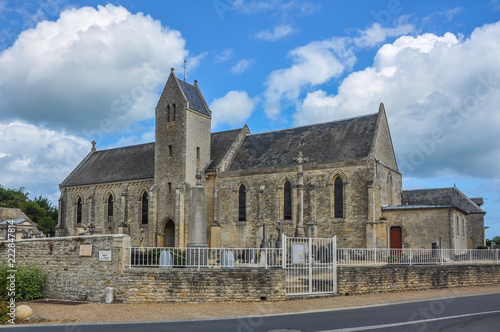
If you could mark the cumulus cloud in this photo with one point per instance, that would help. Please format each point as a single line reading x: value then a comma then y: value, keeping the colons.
x: 91, y: 69
x: 233, y: 109
x: 377, y: 34
x: 241, y: 66
x: 313, y: 64
x: 224, y: 55
x: 320, y: 61
x: 40, y: 157
x: 279, y: 32
x: 441, y: 94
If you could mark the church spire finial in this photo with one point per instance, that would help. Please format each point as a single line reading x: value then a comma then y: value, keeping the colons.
x: 93, y: 146
x: 172, y: 70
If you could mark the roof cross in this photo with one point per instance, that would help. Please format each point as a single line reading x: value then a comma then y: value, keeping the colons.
x: 301, y: 159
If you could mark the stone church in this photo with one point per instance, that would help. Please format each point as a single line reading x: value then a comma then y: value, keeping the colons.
x: 338, y: 178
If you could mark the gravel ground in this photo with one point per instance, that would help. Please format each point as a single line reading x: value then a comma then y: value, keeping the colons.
x: 119, y: 312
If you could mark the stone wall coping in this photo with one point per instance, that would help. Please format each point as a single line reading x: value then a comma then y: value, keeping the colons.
x: 63, y: 238
x: 195, y: 270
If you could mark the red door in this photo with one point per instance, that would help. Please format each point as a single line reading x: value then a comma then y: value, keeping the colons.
x: 396, y: 240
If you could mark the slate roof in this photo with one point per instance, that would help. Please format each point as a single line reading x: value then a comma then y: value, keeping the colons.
x: 441, y: 196
x: 128, y: 163
x: 323, y: 143
x: 193, y: 95
x: 13, y: 221
x: 220, y: 144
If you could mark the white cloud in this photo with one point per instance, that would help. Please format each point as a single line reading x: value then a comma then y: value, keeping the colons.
x: 377, y: 34
x: 441, y: 95
x: 279, y: 32
x: 241, y: 66
x: 252, y: 7
x: 91, y: 66
x: 224, y: 55
x: 320, y: 61
x: 313, y: 64
x: 38, y: 158
x: 233, y: 109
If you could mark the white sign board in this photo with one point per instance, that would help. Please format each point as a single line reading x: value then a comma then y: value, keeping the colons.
x: 105, y: 256
x: 298, y: 253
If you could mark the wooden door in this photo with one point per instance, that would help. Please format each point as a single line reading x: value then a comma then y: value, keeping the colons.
x: 396, y: 238
x: 169, y: 234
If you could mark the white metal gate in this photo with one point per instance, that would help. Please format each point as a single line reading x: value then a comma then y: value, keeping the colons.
x: 310, y: 264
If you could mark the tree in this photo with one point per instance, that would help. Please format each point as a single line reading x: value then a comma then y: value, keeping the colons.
x: 40, y: 210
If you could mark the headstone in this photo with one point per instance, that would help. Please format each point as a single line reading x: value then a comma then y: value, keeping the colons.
x: 166, y: 260
x: 227, y: 261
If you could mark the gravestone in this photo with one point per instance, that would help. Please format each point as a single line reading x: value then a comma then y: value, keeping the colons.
x: 166, y: 260
x: 227, y: 261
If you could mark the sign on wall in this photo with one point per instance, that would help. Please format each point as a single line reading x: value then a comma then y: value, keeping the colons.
x: 86, y: 250
x: 105, y: 256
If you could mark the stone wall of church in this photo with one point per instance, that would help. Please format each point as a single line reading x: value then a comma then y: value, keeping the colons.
x: 475, y: 230
x: 422, y: 227
x: 127, y: 209
x: 264, y: 196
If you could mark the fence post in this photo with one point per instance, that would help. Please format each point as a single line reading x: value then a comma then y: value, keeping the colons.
x: 375, y: 256
x: 266, y: 253
x: 283, y: 248
x: 442, y: 256
x: 470, y: 256
x: 410, y: 257
x: 497, y: 254
x: 130, y: 256
x: 310, y: 265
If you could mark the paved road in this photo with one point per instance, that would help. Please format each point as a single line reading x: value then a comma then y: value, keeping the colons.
x: 470, y: 313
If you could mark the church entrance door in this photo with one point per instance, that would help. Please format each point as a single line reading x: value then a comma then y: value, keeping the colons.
x: 169, y: 231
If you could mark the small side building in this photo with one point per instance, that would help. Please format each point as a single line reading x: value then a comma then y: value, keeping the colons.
x: 443, y: 217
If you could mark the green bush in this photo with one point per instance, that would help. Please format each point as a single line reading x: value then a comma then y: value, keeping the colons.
x: 3, y: 312
x: 29, y: 282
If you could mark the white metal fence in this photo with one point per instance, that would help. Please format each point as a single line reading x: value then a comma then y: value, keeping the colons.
x: 205, y: 257
x: 356, y: 257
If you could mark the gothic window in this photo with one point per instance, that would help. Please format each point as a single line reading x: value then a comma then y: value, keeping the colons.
x: 338, y: 197
x: 174, y: 112
x: 144, y: 210
x: 79, y: 204
x: 287, y: 200
x: 110, y: 207
x: 168, y: 113
x: 242, y: 203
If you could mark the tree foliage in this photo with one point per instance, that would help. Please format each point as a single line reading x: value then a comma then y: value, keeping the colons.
x: 496, y: 239
x: 40, y: 210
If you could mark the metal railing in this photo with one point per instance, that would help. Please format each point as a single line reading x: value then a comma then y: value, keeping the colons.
x: 273, y: 257
x: 356, y: 257
x: 205, y: 257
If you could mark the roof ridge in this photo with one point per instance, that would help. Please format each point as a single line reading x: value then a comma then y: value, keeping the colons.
x: 467, y: 198
x: 123, y: 147
x: 316, y: 124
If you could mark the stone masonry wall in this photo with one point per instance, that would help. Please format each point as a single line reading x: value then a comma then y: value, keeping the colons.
x: 75, y: 277
x: 381, y: 279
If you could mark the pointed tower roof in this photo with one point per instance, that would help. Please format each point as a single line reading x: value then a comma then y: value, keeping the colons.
x: 195, y: 98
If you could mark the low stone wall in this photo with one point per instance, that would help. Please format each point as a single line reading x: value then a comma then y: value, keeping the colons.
x: 72, y: 276
x: 205, y: 285
x: 398, y: 278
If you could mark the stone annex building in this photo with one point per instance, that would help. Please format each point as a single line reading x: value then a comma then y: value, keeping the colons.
x: 338, y: 178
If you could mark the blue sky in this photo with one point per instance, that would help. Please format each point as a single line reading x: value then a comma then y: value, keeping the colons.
x: 74, y: 71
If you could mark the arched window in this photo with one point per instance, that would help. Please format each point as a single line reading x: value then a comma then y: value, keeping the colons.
x: 79, y: 205
x: 144, y: 209
x: 287, y: 200
x: 174, y: 113
x: 242, y: 203
x: 168, y: 113
x: 110, y: 207
x: 338, y: 197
